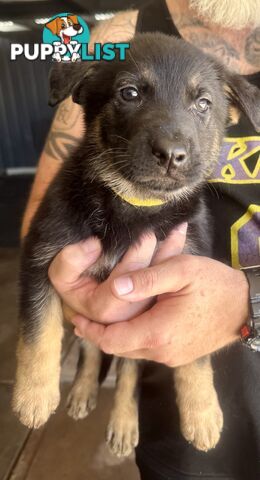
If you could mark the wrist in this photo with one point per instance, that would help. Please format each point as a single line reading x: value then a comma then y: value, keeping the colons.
x: 240, y: 299
x: 250, y: 332
x: 243, y: 290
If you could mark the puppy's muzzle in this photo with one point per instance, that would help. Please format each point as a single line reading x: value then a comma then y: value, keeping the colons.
x: 169, y: 154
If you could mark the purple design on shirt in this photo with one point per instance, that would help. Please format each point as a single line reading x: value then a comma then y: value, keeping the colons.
x: 248, y: 242
x: 234, y: 160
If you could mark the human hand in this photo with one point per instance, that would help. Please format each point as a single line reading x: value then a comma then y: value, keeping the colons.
x: 82, y: 294
x: 201, y: 305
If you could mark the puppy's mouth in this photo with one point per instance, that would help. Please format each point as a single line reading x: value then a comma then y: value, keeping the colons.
x: 66, y: 38
x: 159, y: 185
x: 160, y: 181
x: 140, y: 176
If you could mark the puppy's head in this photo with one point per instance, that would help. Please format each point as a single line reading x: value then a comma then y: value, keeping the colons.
x: 155, y: 121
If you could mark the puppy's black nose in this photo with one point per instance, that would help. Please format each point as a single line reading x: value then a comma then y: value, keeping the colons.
x: 169, y: 153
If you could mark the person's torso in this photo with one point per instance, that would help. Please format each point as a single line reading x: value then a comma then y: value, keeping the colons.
x: 233, y: 198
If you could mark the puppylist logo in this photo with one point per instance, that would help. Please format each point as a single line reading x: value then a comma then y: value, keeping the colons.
x: 66, y: 39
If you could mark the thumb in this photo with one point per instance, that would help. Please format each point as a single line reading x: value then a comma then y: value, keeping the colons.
x: 72, y: 261
x: 172, y: 245
x: 170, y: 276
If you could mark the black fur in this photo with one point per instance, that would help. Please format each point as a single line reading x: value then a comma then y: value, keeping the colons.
x: 170, y: 76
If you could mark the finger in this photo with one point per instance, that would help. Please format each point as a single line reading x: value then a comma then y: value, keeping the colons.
x: 143, y: 332
x: 66, y: 274
x: 84, y: 295
x: 106, y: 307
x: 67, y: 267
x: 170, y: 276
x: 87, y: 329
x: 154, y: 355
x: 172, y: 245
x: 166, y: 355
x: 138, y: 256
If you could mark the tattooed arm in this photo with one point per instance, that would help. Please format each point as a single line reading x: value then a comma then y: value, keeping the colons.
x: 237, y: 49
x: 66, y: 128
x: 65, y: 131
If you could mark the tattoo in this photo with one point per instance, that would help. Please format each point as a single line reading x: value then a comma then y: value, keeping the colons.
x: 215, y: 46
x: 67, y: 115
x: 65, y: 130
x: 120, y: 28
x: 183, y: 21
x: 227, y: 49
x: 252, y: 48
x: 59, y: 144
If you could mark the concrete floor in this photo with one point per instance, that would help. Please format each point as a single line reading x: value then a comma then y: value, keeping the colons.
x: 63, y: 449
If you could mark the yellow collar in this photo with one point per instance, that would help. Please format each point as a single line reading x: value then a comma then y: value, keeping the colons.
x: 139, y: 202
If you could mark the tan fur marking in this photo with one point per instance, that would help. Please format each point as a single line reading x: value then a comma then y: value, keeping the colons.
x: 200, y: 414
x: 228, y: 90
x: 68, y: 313
x: 234, y: 115
x: 194, y: 81
x: 83, y: 396
x: 36, y: 392
x: 122, y: 432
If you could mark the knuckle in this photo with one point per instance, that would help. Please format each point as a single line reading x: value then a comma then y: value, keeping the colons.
x: 147, y: 280
x: 154, y: 340
x: 188, y: 267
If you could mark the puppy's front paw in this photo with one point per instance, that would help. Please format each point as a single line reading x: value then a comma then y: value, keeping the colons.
x: 34, y: 404
x: 202, y: 425
x: 123, y: 432
x: 82, y: 400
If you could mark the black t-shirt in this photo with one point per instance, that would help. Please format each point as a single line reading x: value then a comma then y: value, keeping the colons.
x: 233, y: 197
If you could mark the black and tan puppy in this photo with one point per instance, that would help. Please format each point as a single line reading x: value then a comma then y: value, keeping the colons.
x: 155, y: 124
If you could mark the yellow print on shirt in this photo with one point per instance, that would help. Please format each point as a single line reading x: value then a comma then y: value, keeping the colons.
x: 239, y: 161
x: 245, y: 239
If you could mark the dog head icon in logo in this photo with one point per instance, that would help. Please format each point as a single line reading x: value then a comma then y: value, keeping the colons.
x: 65, y: 27
x: 65, y: 31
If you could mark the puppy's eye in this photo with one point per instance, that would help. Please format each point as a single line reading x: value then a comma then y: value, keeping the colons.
x: 129, y: 94
x: 202, y: 104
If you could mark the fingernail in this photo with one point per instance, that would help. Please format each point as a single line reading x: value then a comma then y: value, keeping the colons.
x: 123, y: 285
x: 181, y: 228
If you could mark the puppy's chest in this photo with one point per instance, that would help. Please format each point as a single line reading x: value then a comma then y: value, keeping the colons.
x: 118, y: 239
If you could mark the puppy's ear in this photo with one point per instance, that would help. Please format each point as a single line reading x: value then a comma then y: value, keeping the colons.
x: 53, y: 26
x: 74, y: 19
x: 243, y: 96
x: 67, y: 79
